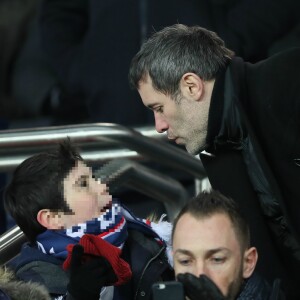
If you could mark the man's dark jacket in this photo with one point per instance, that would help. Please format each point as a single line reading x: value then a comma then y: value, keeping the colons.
x: 257, y: 288
x: 253, y: 155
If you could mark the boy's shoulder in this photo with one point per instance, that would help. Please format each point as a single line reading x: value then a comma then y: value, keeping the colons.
x: 33, y: 265
x: 30, y: 253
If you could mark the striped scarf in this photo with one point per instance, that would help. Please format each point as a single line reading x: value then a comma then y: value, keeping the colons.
x: 111, y: 226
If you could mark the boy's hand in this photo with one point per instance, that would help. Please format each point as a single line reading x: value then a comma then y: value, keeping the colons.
x: 87, y: 278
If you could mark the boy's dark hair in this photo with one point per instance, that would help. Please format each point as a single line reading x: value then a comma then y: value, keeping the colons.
x: 37, y: 183
x: 209, y: 203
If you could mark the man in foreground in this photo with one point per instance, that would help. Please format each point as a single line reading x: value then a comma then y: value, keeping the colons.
x: 212, y: 253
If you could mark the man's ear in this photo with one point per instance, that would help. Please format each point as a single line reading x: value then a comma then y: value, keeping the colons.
x: 250, y: 260
x: 192, y: 86
x: 50, y: 219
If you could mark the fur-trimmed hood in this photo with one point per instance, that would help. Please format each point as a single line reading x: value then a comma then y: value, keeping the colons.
x: 19, y: 290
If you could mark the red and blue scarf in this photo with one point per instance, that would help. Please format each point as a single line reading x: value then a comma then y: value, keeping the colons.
x: 111, y: 226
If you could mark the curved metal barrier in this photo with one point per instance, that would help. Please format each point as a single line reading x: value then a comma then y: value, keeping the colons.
x: 125, y: 173
x: 16, y: 144
x: 10, y: 244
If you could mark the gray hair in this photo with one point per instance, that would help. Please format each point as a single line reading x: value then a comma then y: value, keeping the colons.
x: 170, y: 53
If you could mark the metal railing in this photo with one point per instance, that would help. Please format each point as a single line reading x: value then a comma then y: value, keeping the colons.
x: 16, y: 145
x: 126, y: 173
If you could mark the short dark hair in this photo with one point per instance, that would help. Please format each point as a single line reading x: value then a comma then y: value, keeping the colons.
x: 175, y: 50
x: 37, y: 183
x: 209, y: 203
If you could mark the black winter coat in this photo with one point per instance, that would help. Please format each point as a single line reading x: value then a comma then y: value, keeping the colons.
x: 254, y: 145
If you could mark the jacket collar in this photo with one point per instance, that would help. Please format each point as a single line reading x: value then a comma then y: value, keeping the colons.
x: 255, y: 288
x: 215, y: 110
x: 226, y: 130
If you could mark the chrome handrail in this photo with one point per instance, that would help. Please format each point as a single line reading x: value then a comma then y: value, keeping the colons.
x: 10, y: 243
x: 100, y: 134
x: 120, y: 173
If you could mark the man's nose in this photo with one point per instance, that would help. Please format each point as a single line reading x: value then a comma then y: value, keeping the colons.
x: 200, y: 269
x: 160, y: 124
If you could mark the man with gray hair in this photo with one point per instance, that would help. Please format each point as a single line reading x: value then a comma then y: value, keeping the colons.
x: 244, y: 119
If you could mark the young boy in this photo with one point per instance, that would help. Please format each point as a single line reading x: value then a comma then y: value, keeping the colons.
x: 82, y: 243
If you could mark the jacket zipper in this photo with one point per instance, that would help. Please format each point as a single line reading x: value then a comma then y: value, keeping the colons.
x: 144, y: 270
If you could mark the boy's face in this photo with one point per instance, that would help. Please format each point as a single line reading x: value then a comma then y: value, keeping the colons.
x: 86, y: 197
